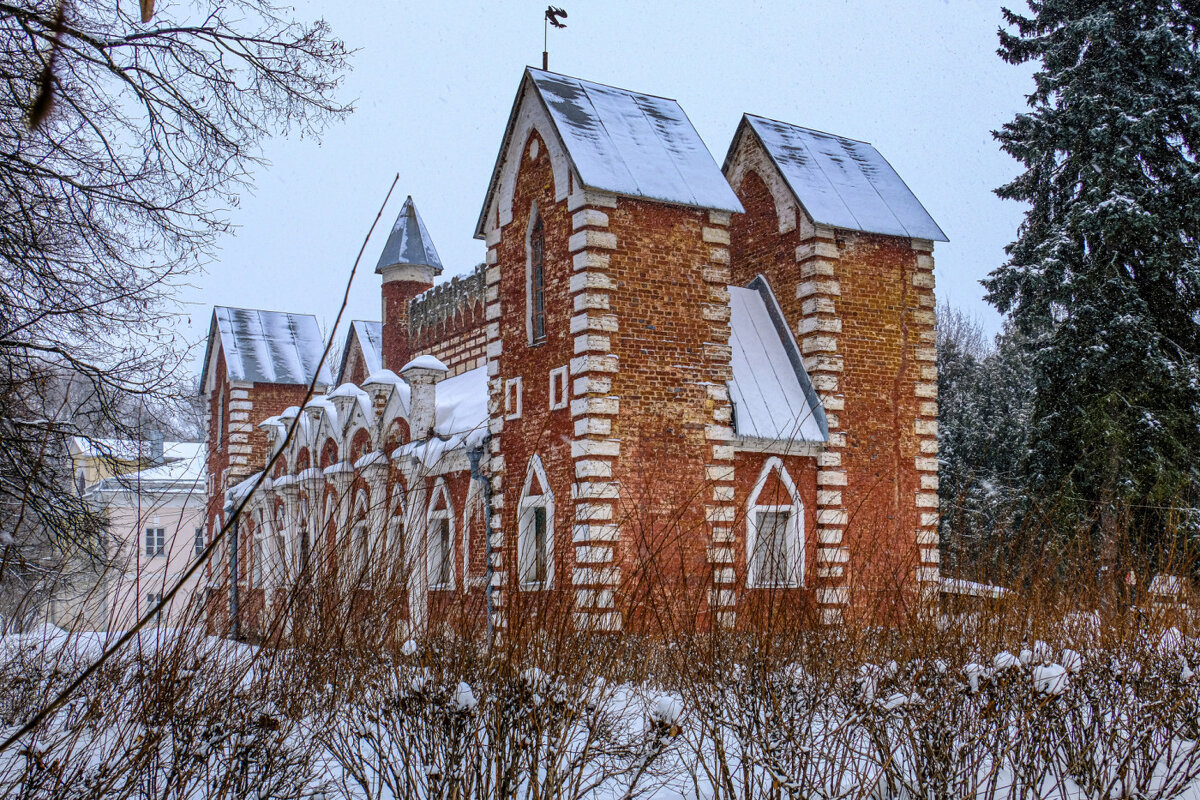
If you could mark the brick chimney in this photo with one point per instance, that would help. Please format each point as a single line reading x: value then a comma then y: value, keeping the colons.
x: 408, y: 264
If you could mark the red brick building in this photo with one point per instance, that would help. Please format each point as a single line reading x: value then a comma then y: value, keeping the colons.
x: 672, y: 392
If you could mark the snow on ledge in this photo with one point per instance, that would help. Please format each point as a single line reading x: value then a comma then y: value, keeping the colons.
x: 425, y: 362
x: 960, y: 586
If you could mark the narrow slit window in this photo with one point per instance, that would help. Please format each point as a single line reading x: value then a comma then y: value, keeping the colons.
x: 558, y: 388
x: 539, y: 544
x: 444, y: 561
x: 537, y: 282
x: 512, y: 398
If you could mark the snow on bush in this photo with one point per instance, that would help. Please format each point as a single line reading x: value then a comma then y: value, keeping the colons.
x: 202, y: 719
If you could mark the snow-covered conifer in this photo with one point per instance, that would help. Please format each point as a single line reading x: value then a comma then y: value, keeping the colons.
x: 1104, y: 276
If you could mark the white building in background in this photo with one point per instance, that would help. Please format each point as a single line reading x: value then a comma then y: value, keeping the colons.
x: 153, y: 495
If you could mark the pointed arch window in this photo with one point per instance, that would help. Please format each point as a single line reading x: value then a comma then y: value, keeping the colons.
x: 397, y: 543
x: 440, y: 539
x: 536, y: 283
x: 775, y: 530
x: 360, y: 539
x: 535, y: 540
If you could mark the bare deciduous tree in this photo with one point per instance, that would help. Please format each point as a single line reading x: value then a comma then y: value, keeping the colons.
x: 114, y: 199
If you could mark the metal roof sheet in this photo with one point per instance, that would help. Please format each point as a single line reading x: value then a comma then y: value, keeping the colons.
x: 270, y: 346
x: 409, y: 242
x: 844, y: 183
x: 370, y: 342
x: 771, y: 393
x: 633, y: 144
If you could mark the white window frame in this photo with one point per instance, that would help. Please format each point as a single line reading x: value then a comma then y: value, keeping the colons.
x: 793, y: 533
x: 432, y: 517
x: 257, y: 556
x: 526, y: 552
x: 220, y: 417
x: 360, y: 537
x: 397, y: 531
x: 534, y: 215
x: 198, y: 542
x: 512, y: 398
x: 559, y: 388
x: 156, y: 542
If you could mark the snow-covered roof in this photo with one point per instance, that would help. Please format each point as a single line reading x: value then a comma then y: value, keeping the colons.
x: 625, y: 143
x: 369, y: 336
x: 409, y: 242
x: 841, y: 182
x: 182, y: 468
x: 462, y: 403
x: 772, y: 395
x: 266, y: 347
x: 462, y: 418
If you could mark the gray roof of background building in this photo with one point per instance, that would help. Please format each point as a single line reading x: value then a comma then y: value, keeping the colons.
x: 409, y: 242
x: 842, y: 182
x: 269, y: 346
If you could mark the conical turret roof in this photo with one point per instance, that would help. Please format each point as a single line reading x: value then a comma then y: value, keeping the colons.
x: 409, y: 242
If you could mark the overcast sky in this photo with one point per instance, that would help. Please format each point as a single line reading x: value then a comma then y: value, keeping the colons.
x: 433, y: 83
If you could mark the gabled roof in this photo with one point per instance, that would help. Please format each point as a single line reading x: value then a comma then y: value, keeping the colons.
x: 841, y: 182
x: 265, y: 347
x: 772, y: 395
x: 409, y: 242
x: 622, y: 142
x: 369, y: 336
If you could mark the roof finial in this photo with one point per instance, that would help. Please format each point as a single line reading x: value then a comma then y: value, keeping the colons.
x: 552, y: 17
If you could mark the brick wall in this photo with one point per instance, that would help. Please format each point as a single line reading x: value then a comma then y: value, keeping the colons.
x: 538, y: 430
x: 861, y: 308
x: 448, y: 322
x: 234, y: 411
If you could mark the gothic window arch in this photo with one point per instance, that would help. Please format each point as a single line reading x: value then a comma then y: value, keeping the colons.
x: 535, y: 277
x: 535, y: 536
x: 397, y: 545
x: 360, y: 539
x: 774, y: 530
x: 439, y: 538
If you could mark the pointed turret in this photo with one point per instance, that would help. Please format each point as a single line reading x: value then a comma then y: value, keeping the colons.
x: 409, y: 263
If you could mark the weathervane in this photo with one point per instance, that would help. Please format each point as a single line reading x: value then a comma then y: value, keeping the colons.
x: 552, y: 18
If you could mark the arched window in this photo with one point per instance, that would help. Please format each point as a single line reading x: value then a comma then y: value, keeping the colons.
x: 440, y: 538
x: 774, y: 530
x: 329, y: 453
x: 398, y: 553
x: 536, y: 278
x: 360, y: 539
x: 535, y: 538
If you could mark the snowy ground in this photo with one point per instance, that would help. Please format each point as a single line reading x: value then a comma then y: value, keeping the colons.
x: 181, y: 715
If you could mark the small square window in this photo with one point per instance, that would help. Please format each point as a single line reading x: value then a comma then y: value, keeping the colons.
x: 558, y: 388
x: 512, y: 398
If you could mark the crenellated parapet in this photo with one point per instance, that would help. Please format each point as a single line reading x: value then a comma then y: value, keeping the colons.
x: 448, y: 321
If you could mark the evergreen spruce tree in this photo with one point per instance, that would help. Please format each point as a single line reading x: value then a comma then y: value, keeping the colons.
x: 1104, y: 278
x: 983, y: 428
